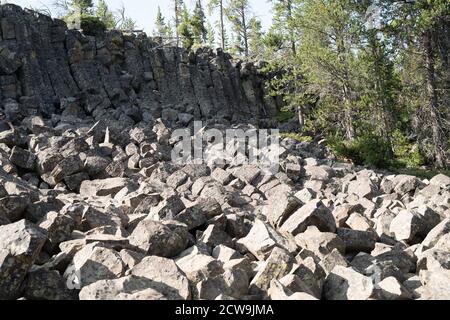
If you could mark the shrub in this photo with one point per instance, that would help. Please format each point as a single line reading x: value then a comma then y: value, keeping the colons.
x: 92, y: 26
x: 285, y: 115
x: 368, y: 149
x: 407, y: 154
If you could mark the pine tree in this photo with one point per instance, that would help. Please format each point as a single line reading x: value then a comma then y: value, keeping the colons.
x: 328, y: 58
x: 105, y: 15
x: 161, y: 28
x: 199, y: 30
x: 284, y: 22
x: 378, y: 84
x: 238, y: 13
x: 220, y: 6
x: 128, y: 24
x: 211, y: 37
x: 421, y: 29
x: 256, y: 38
x: 84, y: 5
x: 273, y: 42
x: 177, y: 10
x: 185, y: 29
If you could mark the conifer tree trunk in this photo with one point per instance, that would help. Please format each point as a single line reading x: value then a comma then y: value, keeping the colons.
x: 432, y: 100
x: 222, y: 25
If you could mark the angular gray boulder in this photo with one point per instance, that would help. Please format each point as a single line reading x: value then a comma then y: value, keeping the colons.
x: 20, y: 245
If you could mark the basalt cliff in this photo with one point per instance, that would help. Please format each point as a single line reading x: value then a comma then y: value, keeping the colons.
x: 47, y: 69
x: 93, y: 207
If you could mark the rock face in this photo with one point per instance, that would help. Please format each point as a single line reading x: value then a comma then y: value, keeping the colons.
x: 92, y: 206
x: 46, y: 67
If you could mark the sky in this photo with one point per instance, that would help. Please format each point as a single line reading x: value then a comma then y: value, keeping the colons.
x: 144, y: 11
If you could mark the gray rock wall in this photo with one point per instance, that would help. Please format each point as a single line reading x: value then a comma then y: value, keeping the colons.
x: 46, y: 69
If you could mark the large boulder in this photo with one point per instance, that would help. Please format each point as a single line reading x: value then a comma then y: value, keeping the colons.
x: 20, y: 245
x: 315, y: 213
x: 232, y: 283
x: 93, y: 263
x: 281, y: 208
x: 126, y: 288
x: 158, y: 239
x: 166, y: 275
x: 440, y: 180
x: 277, y: 266
x: 44, y: 284
x: 363, y: 188
x: 103, y: 188
x: 347, y: 284
x: 357, y: 241
x: 320, y: 243
x: 262, y: 239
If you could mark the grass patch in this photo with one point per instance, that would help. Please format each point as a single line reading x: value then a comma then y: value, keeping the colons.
x: 297, y: 137
x: 285, y: 115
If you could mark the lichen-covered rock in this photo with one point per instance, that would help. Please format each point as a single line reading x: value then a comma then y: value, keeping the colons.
x: 314, y: 213
x: 233, y: 283
x: 347, y: 284
x: 20, y: 245
x: 155, y: 238
x: 94, y: 263
x: 172, y: 283
x: 262, y: 239
x: 277, y: 266
x: 43, y: 284
x: 281, y: 208
x: 126, y: 288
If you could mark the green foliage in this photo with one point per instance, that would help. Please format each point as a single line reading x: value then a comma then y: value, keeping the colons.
x: 283, y: 35
x: 256, y: 35
x: 185, y: 29
x: 407, y: 154
x: 162, y: 29
x: 238, y: 14
x: 297, y: 136
x: 273, y: 41
x: 368, y: 149
x: 370, y: 87
x: 285, y: 115
x: 211, y: 37
x: 84, y: 5
x: 128, y: 24
x: 198, y: 20
x: 105, y: 15
x: 92, y: 26
x: 94, y: 20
